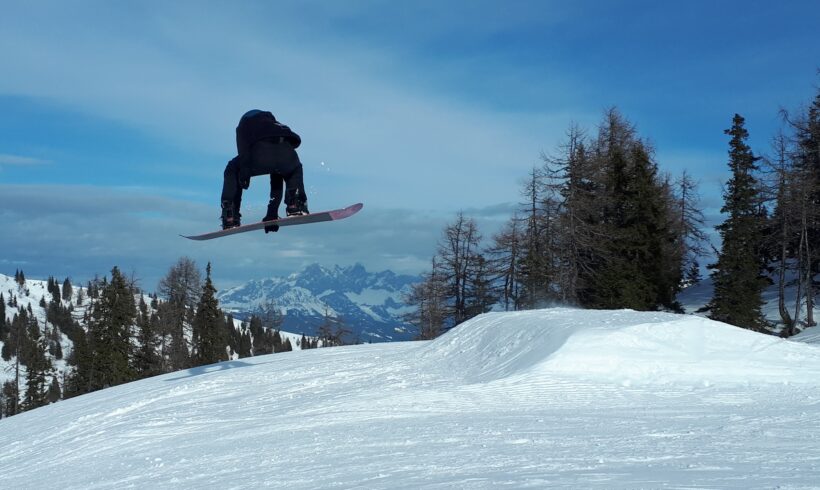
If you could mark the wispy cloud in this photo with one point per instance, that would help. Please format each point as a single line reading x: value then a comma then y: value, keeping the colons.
x: 19, y: 160
x: 78, y: 231
x: 356, y: 105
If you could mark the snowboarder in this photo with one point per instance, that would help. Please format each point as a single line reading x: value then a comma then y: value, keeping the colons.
x: 265, y: 147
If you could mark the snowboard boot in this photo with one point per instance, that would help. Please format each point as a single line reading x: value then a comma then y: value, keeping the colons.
x: 273, y: 213
x: 230, y: 215
x: 296, y: 203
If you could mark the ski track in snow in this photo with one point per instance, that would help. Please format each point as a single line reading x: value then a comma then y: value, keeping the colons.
x: 547, y: 399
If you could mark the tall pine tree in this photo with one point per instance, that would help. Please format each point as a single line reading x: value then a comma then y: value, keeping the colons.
x: 738, y: 273
x: 635, y: 269
x: 209, y: 337
x: 109, y: 333
x: 38, y: 368
x: 68, y: 290
x: 146, y: 362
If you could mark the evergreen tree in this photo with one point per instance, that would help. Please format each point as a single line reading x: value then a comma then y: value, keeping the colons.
x: 68, y: 291
x: 579, y: 240
x: 55, y: 347
x: 738, y: 273
x: 210, y: 340
x: 80, y: 358
x: 245, y: 345
x: 277, y: 342
x: 234, y: 335
x: 259, y: 341
x: 3, y: 320
x: 54, y: 393
x: 14, y: 344
x: 109, y: 332
x: 635, y: 272
x: 11, y: 398
x: 38, y: 368
x: 146, y: 361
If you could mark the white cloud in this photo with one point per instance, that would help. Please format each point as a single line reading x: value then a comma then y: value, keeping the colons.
x: 78, y: 231
x: 187, y: 74
x: 18, y: 160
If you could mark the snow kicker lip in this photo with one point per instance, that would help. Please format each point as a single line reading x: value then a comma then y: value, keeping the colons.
x: 620, y: 347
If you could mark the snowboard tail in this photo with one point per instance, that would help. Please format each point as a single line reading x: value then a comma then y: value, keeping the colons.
x: 319, y: 217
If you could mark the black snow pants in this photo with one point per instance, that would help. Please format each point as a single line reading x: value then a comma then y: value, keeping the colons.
x: 277, y: 159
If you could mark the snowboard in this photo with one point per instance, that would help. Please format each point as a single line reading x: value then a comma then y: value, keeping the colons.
x: 333, y: 215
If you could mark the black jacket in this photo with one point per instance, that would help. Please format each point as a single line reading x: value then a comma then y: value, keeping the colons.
x: 259, y: 125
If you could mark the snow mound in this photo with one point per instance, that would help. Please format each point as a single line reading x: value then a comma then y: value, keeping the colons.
x: 624, y: 347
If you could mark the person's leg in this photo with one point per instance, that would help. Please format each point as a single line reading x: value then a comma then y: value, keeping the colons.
x: 280, y: 159
x: 231, y: 195
x: 295, y: 197
x: 276, y: 183
x: 231, y: 190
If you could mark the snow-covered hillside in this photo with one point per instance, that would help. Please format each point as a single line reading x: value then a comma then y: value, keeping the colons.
x: 556, y: 398
x: 30, y: 296
x: 369, y: 304
x: 698, y: 295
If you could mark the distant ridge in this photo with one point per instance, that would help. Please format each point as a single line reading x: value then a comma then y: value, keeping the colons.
x: 370, y: 304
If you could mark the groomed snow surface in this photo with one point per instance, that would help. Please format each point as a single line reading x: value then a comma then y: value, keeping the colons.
x: 555, y: 398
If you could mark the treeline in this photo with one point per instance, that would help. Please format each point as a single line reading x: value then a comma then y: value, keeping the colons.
x: 117, y: 334
x: 601, y: 227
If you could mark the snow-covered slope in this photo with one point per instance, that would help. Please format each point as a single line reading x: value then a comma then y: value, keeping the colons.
x: 555, y: 398
x: 28, y: 296
x: 369, y: 304
x: 698, y: 295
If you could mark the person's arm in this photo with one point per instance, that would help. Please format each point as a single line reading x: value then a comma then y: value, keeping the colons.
x: 288, y: 134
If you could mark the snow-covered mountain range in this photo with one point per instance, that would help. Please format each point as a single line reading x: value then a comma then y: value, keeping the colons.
x: 369, y: 304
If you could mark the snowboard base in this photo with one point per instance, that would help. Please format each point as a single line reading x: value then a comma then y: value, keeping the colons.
x: 319, y: 217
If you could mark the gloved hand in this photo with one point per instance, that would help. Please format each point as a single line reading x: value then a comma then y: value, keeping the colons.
x: 243, y: 173
x: 271, y: 228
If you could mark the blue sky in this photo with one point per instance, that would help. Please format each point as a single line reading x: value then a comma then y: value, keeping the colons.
x: 117, y: 118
